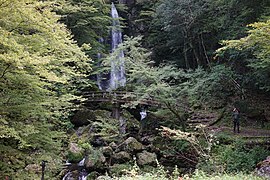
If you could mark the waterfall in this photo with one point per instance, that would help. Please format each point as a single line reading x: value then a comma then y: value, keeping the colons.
x: 117, y: 77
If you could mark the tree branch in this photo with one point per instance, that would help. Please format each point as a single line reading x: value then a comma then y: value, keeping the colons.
x: 5, y: 71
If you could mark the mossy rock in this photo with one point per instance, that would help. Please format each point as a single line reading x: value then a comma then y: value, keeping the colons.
x: 130, y: 145
x: 95, y: 160
x: 74, y: 157
x: 121, y: 157
x: 146, y: 158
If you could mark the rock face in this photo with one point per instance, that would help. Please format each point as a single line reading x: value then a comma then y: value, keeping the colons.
x: 130, y: 145
x: 263, y: 168
x: 146, y: 158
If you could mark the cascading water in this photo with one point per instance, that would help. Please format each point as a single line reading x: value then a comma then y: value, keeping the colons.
x: 117, y: 77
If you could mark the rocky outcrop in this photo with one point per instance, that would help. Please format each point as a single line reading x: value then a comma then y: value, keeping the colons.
x: 146, y: 158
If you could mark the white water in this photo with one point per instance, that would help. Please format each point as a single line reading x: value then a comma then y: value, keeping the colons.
x: 81, y: 163
x: 117, y: 77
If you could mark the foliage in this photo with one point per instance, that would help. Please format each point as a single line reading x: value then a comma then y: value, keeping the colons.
x: 157, y: 83
x: 212, y: 87
x: 88, y: 21
x: 38, y: 63
x: 107, y: 128
x: 236, y: 157
x: 187, y: 32
x: 257, y: 43
x: 194, y: 140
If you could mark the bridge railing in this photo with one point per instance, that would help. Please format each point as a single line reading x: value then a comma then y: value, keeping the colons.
x: 120, y: 96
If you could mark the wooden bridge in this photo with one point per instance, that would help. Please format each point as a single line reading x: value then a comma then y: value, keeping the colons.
x: 120, y: 97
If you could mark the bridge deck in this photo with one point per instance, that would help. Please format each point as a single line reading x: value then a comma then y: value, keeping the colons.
x: 121, y: 97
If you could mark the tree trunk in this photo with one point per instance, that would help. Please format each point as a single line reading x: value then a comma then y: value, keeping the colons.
x: 195, y: 54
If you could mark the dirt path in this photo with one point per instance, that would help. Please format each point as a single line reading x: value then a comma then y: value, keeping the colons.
x: 244, y: 131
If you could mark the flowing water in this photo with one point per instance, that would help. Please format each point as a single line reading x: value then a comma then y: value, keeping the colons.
x: 117, y: 78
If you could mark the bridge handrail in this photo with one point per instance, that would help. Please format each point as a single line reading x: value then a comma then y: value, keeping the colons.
x: 120, y: 96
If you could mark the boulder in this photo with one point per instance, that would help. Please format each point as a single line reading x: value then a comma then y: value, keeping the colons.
x: 75, y: 153
x: 121, y: 157
x: 107, y: 151
x: 73, y: 147
x: 130, y: 145
x: 34, y: 168
x: 263, y: 168
x: 146, y: 140
x: 146, y: 158
x: 95, y: 160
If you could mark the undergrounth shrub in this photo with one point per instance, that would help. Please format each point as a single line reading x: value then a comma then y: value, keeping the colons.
x: 237, y: 157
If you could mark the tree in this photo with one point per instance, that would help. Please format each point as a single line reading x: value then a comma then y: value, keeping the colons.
x: 38, y: 63
x: 159, y: 83
x: 88, y: 21
x: 187, y: 32
x: 257, y: 43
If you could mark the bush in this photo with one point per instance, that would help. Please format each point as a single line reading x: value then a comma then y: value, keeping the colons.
x: 236, y: 157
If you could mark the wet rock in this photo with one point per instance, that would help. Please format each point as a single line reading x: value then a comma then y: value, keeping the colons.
x: 263, y: 168
x: 73, y: 175
x: 121, y: 157
x: 146, y: 158
x: 130, y: 145
x: 97, y: 141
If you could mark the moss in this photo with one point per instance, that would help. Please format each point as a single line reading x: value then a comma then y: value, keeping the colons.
x: 74, y: 157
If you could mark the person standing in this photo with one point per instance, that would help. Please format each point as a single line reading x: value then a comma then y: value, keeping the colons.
x: 236, y: 120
